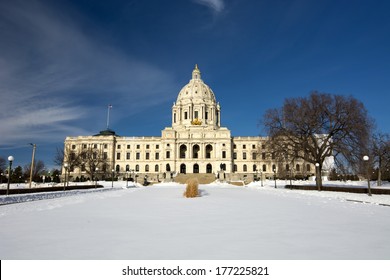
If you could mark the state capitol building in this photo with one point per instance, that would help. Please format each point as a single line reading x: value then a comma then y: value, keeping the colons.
x: 194, y: 144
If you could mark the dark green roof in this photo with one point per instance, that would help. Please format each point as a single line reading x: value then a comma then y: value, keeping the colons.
x: 106, y: 132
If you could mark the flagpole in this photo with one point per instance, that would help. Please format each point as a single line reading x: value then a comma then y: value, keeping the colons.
x: 108, y: 115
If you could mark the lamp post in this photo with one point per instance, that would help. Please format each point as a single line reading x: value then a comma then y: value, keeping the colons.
x: 66, y: 171
x: 32, y: 163
x: 112, y: 178
x: 127, y: 178
x: 10, y: 159
x: 366, y: 159
x: 96, y: 171
x: 261, y: 178
x: 317, y: 180
x: 275, y: 176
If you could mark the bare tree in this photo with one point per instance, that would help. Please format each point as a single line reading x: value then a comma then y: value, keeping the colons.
x: 59, y: 156
x: 2, y: 164
x: 319, y: 126
x: 39, y: 167
x: 381, y: 153
x: 91, y: 161
x: 68, y: 156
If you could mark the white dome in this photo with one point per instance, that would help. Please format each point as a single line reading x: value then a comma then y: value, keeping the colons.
x: 196, y: 91
x: 196, y: 105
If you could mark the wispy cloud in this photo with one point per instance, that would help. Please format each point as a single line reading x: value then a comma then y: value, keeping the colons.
x: 50, y: 67
x: 215, y: 5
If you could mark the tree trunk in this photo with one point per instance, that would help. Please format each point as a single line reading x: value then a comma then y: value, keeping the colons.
x: 318, y: 178
x: 379, y: 182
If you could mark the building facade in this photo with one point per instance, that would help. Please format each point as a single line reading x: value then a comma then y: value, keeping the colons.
x: 194, y: 143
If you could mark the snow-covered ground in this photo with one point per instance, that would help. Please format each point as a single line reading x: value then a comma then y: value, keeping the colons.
x: 226, y: 222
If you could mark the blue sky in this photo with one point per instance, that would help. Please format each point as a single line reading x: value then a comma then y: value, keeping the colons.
x: 62, y: 62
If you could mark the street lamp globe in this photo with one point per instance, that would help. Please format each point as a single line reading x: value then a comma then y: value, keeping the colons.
x: 10, y: 159
x: 366, y: 158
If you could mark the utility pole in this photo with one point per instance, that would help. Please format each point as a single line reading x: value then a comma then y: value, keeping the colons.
x: 32, y: 162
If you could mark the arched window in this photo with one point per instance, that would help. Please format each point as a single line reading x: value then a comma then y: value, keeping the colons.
x: 308, y: 167
x: 117, y: 168
x: 244, y: 168
x: 156, y: 168
x: 147, y: 168
x: 195, y: 151
x: 254, y: 168
x: 298, y: 167
x: 127, y: 167
x: 183, y: 150
x: 209, y: 168
x: 183, y: 168
x: 209, y: 149
x: 196, y: 168
x: 273, y: 168
x: 287, y: 167
x: 137, y: 168
x: 168, y: 167
x: 264, y: 168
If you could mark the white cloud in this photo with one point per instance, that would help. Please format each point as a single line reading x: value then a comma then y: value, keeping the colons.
x: 216, y: 5
x: 53, y: 75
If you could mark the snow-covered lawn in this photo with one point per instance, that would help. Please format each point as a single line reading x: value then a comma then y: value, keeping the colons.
x: 226, y: 222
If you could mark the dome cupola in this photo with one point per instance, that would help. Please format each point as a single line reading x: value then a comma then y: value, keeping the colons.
x: 196, y: 104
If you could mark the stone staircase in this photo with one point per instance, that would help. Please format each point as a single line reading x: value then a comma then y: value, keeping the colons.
x: 203, y: 178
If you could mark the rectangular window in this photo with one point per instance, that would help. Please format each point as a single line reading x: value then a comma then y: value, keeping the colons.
x: 118, y: 146
x: 223, y: 154
x: 84, y: 146
x: 105, y: 146
x: 138, y: 146
x: 147, y: 146
x: 253, y: 146
x: 128, y: 147
x: 234, y: 155
x: 157, y: 156
x: 262, y: 155
x: 118, y: 155
x: 253, y: 156
x: 105, y: 155
x: 95, y: 146
x: 196, y: 114
x: 234, y: 146
x: 73, y: 147
x: 244, y: 146
x: 168, y: 154
x: 128, y: 155
x: 137, y: 156
x: 207, y: 116
x: 147, y: 156
x: 157, y: 146
x: 244, y: 155
x: 185, y: 115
